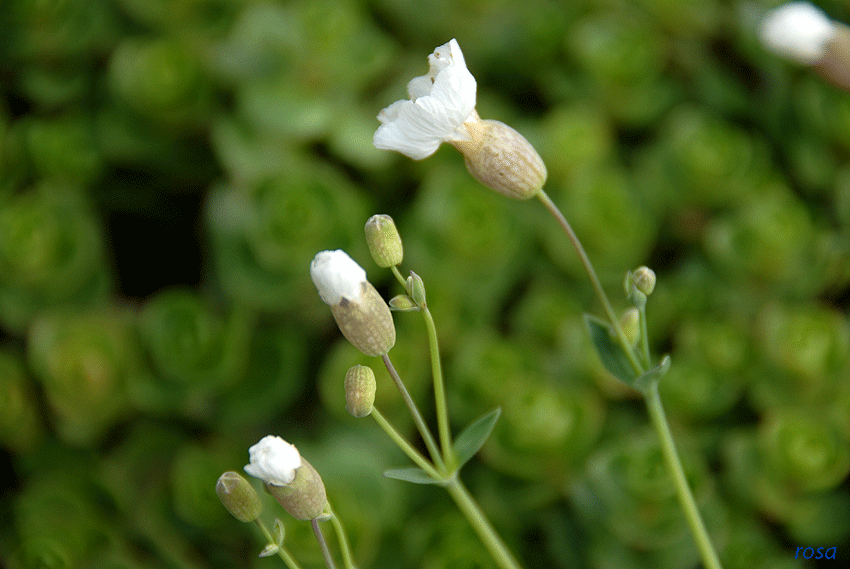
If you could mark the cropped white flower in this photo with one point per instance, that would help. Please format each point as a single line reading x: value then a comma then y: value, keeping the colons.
x: 441, y: 102
x: 274, y: 461
x: 798, y: 31
x: 337, y: 276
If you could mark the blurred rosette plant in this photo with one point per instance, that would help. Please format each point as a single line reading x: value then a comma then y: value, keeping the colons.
x: 51, y: 254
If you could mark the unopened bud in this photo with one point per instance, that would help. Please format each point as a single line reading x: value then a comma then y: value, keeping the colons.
x: 630, y: 324
x: 384, y: 241
x: 238, y: 496
x: 403, y: 303
x: 502, y: 159
x: 360, y: 312
x: 304, y: 498
x: 416, y: 289
x: 360, y: 389
x: 644, y: 280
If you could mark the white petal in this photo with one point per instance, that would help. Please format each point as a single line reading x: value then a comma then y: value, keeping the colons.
x: 441, y: 101
x: 799, y: 31
x: 337, y: 276
x: 274, y: 461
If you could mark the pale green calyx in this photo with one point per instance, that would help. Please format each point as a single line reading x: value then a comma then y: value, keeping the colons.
x: 238, y: 496
x: 502, y: 159
x: 360, y: 387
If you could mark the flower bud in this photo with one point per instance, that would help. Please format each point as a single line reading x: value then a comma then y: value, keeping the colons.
x: 288, y: 477
x: 502, y: 159
x: 238, y: 496
x: 644, y: 280
x: 416, y: 289
x: 360, y: 389
x: 630, y: 324
x: 403, y: 303
x: 384, y: 241
x: 359, y: 310
x: 304, y: 498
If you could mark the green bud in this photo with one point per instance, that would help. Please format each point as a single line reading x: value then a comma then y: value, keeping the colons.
x: 360, y: 389
x: 238, y: 496
x: 644, y: 279
x: 403, y: 303
x: 384, y: 241
x: 304, y: 498
x: 416, y: 289
x: 630, y: 323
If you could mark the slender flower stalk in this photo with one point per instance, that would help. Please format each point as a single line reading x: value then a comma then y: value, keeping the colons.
x: 427, y: 437
x: 594, y: 280
x: 405, y: 446
x: 347, y: 559
x: 323, y: 545
x: 444, y: 431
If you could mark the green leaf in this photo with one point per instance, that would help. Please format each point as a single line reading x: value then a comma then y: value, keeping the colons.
x: 472, y: 438
x: 269, y: 550
x: 652, y: 376
x: 414, y: 475
x: 611, y: 354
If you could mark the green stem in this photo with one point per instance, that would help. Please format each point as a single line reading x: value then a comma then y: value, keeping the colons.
x: 405, y: 446
x: 281, y: 551
x: 398, y: 276
x: 443, y: 429
x: 651, y: 396
x: 683, y: 490
x: 347, y: 558
x: 442, y: 407
x: 414, y: 412
x: 470, y: 508
x: 323, y: 545
x: 594, y: 280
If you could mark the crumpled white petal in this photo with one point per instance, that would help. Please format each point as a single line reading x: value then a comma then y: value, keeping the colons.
x: 337, y: 276
x: 274, y: 461
x: 440, y: 103
x: 798, y: 31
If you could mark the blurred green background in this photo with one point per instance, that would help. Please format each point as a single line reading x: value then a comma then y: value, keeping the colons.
x: 168, y: 169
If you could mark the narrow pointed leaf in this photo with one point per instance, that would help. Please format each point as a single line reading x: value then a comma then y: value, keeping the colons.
x: 610, y: 352
x: 414, y: 475
x: 473, y: 437
x: 269, y: 550
x: 652, y: 376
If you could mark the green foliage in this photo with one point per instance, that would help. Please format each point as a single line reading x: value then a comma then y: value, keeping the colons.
x: 672, y: 139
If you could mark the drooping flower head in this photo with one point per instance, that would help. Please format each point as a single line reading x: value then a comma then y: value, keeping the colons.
x: 440, y: 102
x: 442, y: 109
x: 359, y: 310
x: 288, y: 477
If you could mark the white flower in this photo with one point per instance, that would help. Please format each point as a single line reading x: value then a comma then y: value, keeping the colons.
x: 441, y: 102
x: 337, y: 276
x: 798, y: 31
x: 274, y: 461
